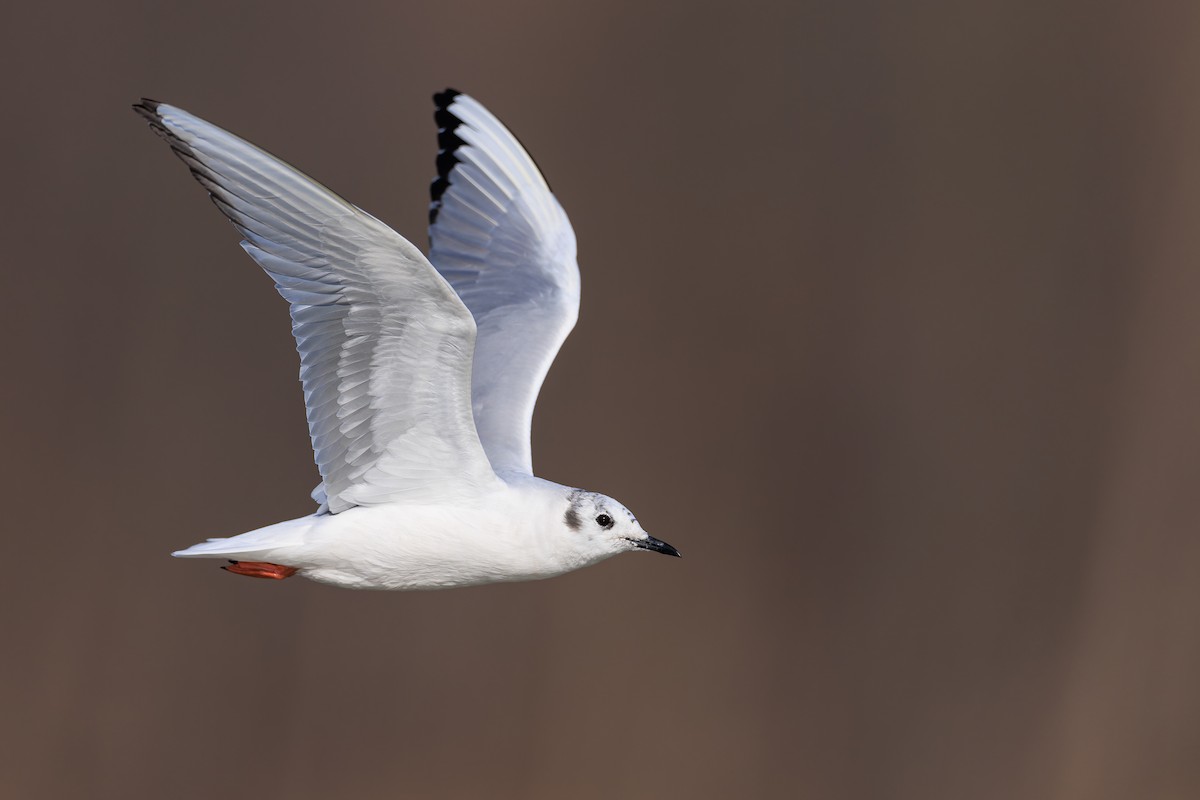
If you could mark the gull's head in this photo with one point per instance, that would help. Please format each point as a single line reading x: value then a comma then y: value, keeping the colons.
x: 598, y: 527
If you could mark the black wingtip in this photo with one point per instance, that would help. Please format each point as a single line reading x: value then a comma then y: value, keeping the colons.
x: 147, y: 108
x: 441, y: 115
x: 448, y: 144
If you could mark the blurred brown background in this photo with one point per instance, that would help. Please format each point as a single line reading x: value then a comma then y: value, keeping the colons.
x: 891, y: 324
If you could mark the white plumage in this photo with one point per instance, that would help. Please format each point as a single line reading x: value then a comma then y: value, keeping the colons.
x: 419, y: 386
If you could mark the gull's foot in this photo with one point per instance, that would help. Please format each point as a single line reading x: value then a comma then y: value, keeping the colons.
x: 261, y: 569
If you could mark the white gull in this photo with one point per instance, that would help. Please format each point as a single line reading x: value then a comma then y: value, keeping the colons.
x: 419, y: 382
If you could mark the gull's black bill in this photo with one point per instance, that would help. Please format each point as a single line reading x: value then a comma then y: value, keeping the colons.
x: 657, y: 546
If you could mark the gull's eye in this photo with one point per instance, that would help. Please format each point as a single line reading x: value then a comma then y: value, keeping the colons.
x: 604, y: 521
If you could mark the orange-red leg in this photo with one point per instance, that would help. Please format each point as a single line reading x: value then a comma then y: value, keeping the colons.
x: 260, y: 569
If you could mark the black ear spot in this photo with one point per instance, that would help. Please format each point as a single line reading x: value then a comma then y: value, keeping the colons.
x: 604, y: 521
x: 571, y: 518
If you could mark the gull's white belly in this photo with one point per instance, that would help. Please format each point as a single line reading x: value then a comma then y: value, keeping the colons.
x: 424, y: 547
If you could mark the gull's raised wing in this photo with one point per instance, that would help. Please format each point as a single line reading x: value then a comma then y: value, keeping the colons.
x: 385, y: 344
x: 502, y: 240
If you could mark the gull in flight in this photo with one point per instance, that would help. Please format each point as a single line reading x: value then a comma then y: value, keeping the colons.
x: 420, y: 375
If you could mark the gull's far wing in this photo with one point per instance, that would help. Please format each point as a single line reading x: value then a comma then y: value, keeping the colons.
x: 502, y: 240
x: 385, y: 344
